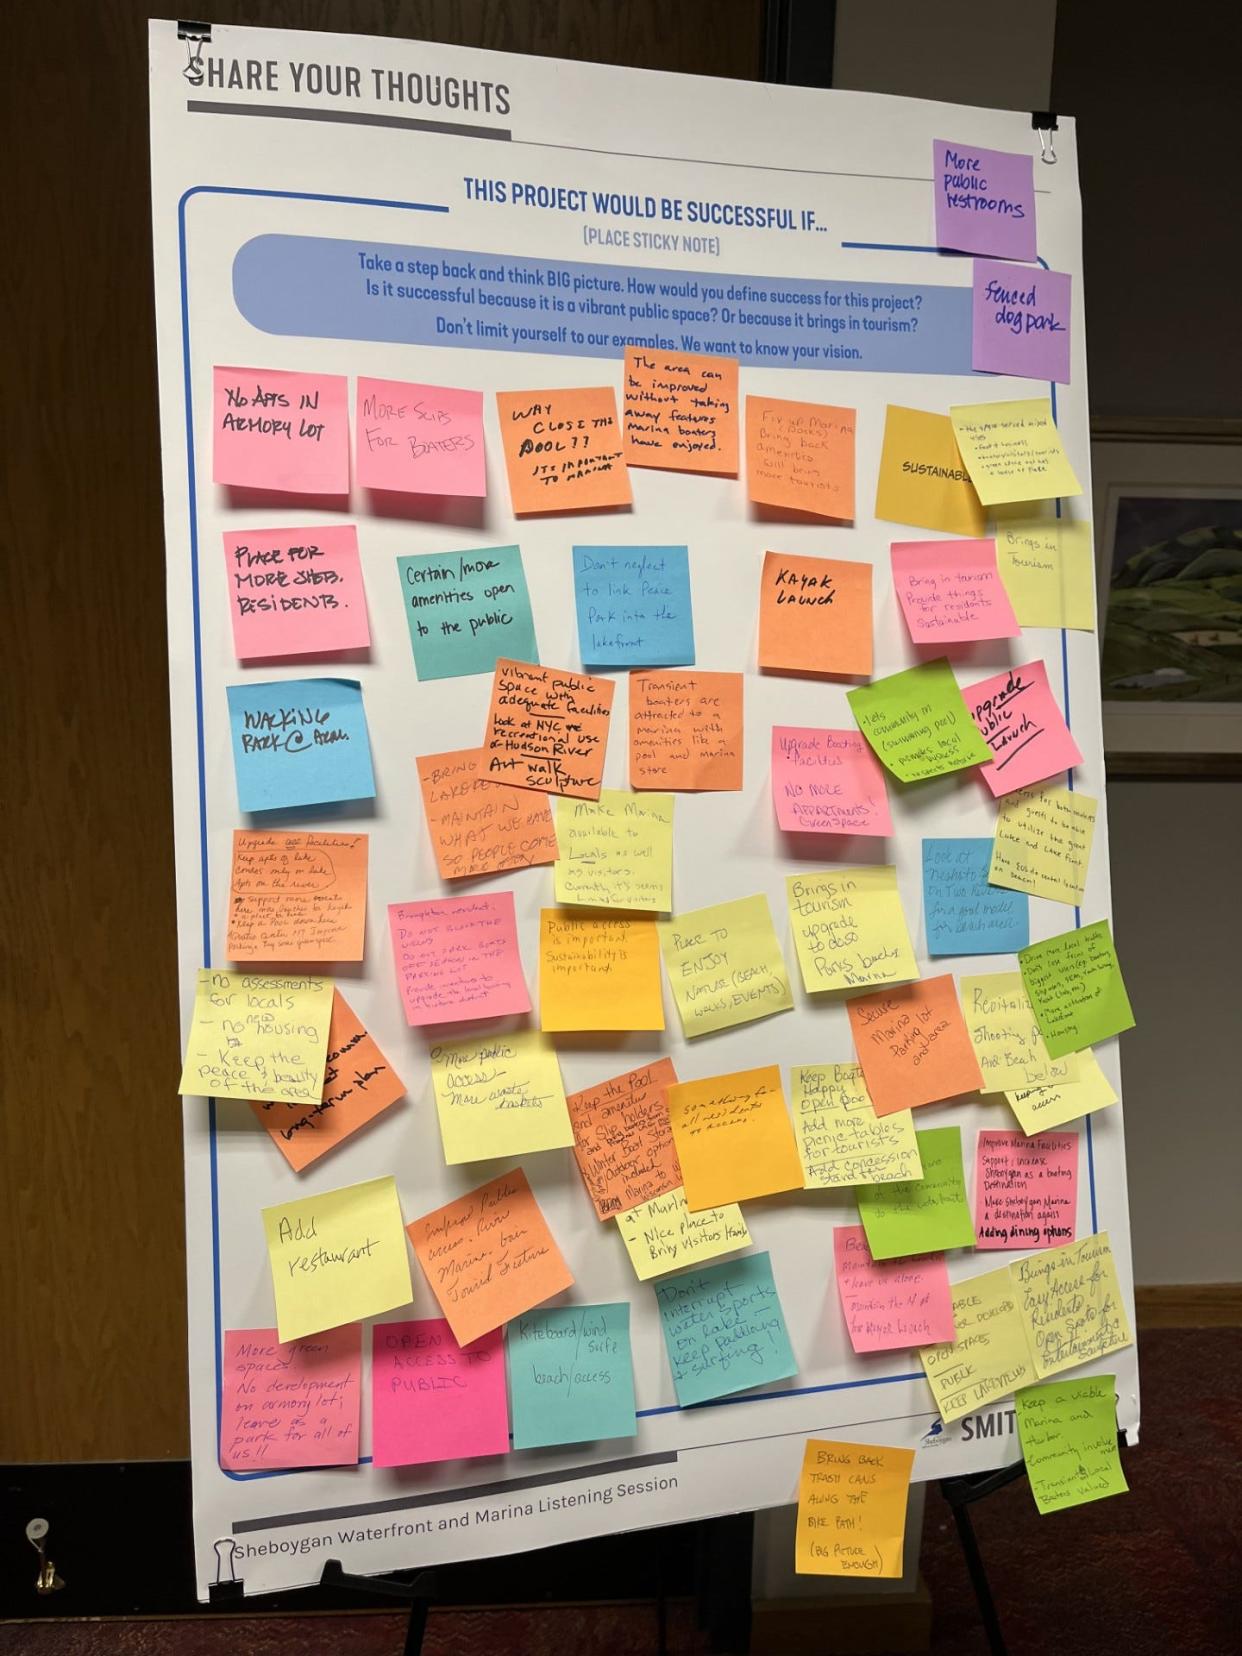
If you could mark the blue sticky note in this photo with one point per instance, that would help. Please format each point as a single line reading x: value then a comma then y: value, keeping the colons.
x: 467, y: 609
x: 634, y: 606
x: 299, y: 742
x: 962, y: 913
x: 571, y: 1377
x: 724, y: 1330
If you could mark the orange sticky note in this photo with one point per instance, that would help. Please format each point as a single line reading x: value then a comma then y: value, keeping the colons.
x: 815, y: 615
x: 297, y: 896
x: 800, y: 456
x: 358, y: 1083
x: 547, y: 728
x: 734, y: 1138
x: 680, y: 410
x: 477, y: 827
x: 852, y: 1500
x: 563, y: 449
x: 913, y: 1045
x: 489, y: 1256
x: 686, y: 731
x: 598, y: 971
x: 622, y: 1138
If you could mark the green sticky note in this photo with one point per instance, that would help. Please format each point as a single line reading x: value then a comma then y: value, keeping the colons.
x: 921, y: 1215
x: 571, y: 1378
x: 465, y: 610
x: 1068, y: 1431
x: 1074, y: 984
x: 918, y: 723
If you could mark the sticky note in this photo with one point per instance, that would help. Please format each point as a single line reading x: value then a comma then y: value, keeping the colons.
x: 1076, y: 988
x: 686, y: 731
x: 1020, y: 321
x: 991, y: 1356
x: 1048, y: 567
x: 562, y: 449
x: 616, y: 851
x: 286, y: 433
x: 433, y: 1400
x: 950, y: 591
x: 457, y: 958
x: 724, y: 1330
x: 680, y: 410
x: 815, y: 615
x: 1071, y: 1302
x: 598, y: 971
x: 634, y: 607
x: 852, y: 1500
x: 891, y: 1304
x: 800, y: 457
x: 299, y: 742
x: 913, y: 1045
x: 571, y: 1375
x: 1018, y: 717
x: 623, y: 1142
x: 925, y: 1215
x: 849, y: 929
x: 489, y: 1256
x: 663, y: 1235
x: 1001, y: 1022
x: 922, y: 479
x: 297, y: 896
x: 358, y: 1084
x: 724, y: 965
x: 1012, y: 451
x: 477, y: 827
x: 733, y: 1138
x: 419, y: 439
x: 1079, y: 1091
x: 985, y: 200
x: 547, y: 728
x: 840, y: 1138
x: 257, y: 1037
x: 1068, y: 1433
x: 962, y: 913
x: 918, y: 723
x: 1026, y: 1189
x: 337, y: 1256
x: 295, y: 591
x: 1043, y: 842
x: 499, y: 1095
x: 467, y: 610
x: 289, y: 1405
x: 827, y: 782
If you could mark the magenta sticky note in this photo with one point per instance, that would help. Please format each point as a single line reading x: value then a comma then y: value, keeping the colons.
x: 891, y: 1304
x: 951, y: 592
x: 1026, y: 1189
x: 295, y: 591
x: 985, y: 200
x: 294, y: 1404
x: 1019, y: 719
x: 1021, y: 321
x: 280, y: 431
x: 827, y: 782
x: 419, y: 439
x: 457, y: 958
x: 433, y: 1400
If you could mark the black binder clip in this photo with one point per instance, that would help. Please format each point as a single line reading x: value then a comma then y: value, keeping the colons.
x: 227, y: 1588
x: 196, y: 36
x: 1045, y: 124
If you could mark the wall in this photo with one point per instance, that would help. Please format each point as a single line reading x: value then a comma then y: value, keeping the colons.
x: 996, y: 53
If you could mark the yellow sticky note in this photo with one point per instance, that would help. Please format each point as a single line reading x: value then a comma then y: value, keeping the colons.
x: 1070, y: 1301
x: 852, y: 1500
x: 337, y: 1257
x: 1079, y: 1087
x: 1047, y: 566
x: 725, y: 965
x: 991, y: 1356
x: 841, y: 1140
x: 1001, y: 1022
x: 499, y: 1095
x: 733, y: 1137
x: 1043, y: 842
x: 598, y: 972
x: 260, y: 1038
x: 849, y: 928
x: 1013, y: 451
x: 662, y: 1234
x: 616, y: 851
x: 922, y: 479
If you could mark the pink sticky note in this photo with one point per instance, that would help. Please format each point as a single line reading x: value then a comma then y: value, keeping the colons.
x: 295, y: 591
x: 985, y: 200
x: 419, y: 439
x: 290, y: 1405
x: 1026, y: 1189
x: 280, y: 431
x: 457, y: 958
x: 1019, y: 719
x: 951, y: 591
x: 433, y: 1400
x: 1021, y: 321
x: 891, y: 1304
x: 827, y: 782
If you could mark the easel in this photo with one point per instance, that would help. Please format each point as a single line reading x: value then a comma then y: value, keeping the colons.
x: 416, y: 1592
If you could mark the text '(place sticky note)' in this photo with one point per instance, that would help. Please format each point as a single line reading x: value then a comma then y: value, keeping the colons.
x: 841, y: 1140
x: 827, y: 782
x: 686, y: 731
x: 800, y: 457
x: 1079, y: 1088
x: 1004, y: 1034
x: 571, y: 1376
x: 891, y: 1304
x: 1076, y: 988
x: 1043, y: 843
x: 563, y: 449
x: 680, y: 410
x: 1018, y: 718
x: 1013, y: 452
x: 634, y: 606
x: 257, y: 1037
x: 433, y: 1400
x: 616, y: 851
x: 815, y: 615
x: 467, y: 610
x: 663, y: 1235
x: 299, y: 742
x: 925, y: 1215
x: 598, y: 971
x: 477, y: 827
x: 725, y: 965
x: 1020, y: 321
x: 1070, y: 1300
x: 289, y: 1405
x: 457, y: 958
x: 295, y: 591
x: 1026, y: 1189
x: 280, y: 432
x: 499, y: 1095
x: 950, y: 591
x: 733, y: 1138
x: 913, y: 1044
x: 419, y: 439
x: 922, y: 478
x: 547, y: 728
x: 724, y: 1330
x: 1048, y: 567
x: 1068, y: 1433
x: 297, y: 897
x: 984, y: 200
x: 917, y: 722
x: 991, y: 1356
x: 849, y: 928
x: 852, y: 1500
x: 622, y: 1138
x: 962, y: 913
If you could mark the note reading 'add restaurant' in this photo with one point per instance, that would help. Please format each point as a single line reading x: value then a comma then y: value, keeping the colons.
x: 571, y: 1376
x: 295, y: 591
x: 623, y: 1141
x: 815, y: 615
x: 634, y: 607
x: 433, y: 1400
x: 924, y: 1215
x: 733, y: 1138
x: 1068, y: 1433
x: 680, y: 410
x: 257, y: 1037
x: 950, y: 591
x: 827, y: 782
x: 849, y: 929
x: 662, y: 1235
x: 1043, y: 843
x: 598, y: 971
x: 297, y: 897
x: 1076, y: 988
x: 1018, y: 718
x: 917, y: 722
x: 457, y: 958
x: 991, y: 1356
x: 616, y: 851
x: 465, y: 610
x: 499, y: 1095
x: 547, y: 728
x: 1026, y: 1190
x: 725, y: 965
x: 419, y: 439
x: 686, y: 731
x: 913, y: 1044
x: 477, y: 827
x: 841, y: 1140
x: 1013, y: 452
x: 1020, y: 321
x: 852, y: 1500
x: 962, y: 913
x: 289, y: 1405
x: 280, y: 432
x: 563, y: 449
x: 984, y: 200
x: 299, y: 742
x: 890, y: 1304
x: 922, y: 479
x: 724, y: 1330
x: 800, y: 457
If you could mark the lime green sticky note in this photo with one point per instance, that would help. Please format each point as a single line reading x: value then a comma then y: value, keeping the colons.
x: 918, y: 722
x: 923, y: 1215
x: 1068, y: 1431
x: 1076, y: 989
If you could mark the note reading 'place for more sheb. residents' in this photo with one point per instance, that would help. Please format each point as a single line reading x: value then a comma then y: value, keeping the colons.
x: 563, y: 450
x: 827, y: 782
x: 297, y: 896
x: 686, y: 731
x: 280, y: 432
x: 800, y: 457
x: 547, y: 729
x: 623, y: 1141
x: 841, y: 1140
x: 255, y: 1037
x: 680, y: 410
x: 295, y: 591
x: 918, y: 723
x: 476, y: 826
x: 725, y: 965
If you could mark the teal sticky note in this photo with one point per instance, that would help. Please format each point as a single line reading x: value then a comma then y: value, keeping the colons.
x: 299, y: 742
x: 962, y: 913
x: 724, y: 1330
x: 571, y: 1377
x: 634, y: 606
x: 467, y: 609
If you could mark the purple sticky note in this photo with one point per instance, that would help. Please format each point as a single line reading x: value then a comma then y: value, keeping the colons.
x: 1021, y: 321
x: 985, y: 200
